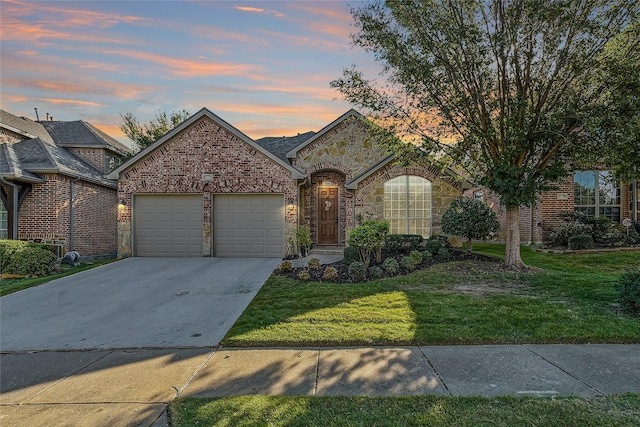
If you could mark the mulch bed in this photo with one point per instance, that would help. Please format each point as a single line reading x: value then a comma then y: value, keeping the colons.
x: 343, y: 269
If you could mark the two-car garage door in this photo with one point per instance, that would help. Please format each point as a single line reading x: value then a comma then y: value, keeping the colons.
x: 244, y: 225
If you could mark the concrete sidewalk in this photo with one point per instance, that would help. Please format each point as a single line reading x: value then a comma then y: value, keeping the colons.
x: 132, y: 387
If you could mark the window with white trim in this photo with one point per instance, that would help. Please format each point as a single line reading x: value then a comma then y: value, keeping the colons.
x: 596, y: 193
x: 4, y: 222
x: 407, y: 205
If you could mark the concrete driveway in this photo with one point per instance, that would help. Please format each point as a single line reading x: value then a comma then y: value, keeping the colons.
x: 135, y: 302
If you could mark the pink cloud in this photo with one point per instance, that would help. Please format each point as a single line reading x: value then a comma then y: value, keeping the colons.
x: 260, y: 10
x: 188, y: 68
x: 71, y: 102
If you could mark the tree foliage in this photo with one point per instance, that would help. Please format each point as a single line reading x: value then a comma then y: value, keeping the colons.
x: 145, y: 134
x: 500, y: 89
x: 470, y: 219
x: 367, y: 238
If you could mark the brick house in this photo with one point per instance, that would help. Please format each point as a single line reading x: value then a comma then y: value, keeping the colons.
x: 207, y: 189
x: 592, y: 192
x: 52, y: 183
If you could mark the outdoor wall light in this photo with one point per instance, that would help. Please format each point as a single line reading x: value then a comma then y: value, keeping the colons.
x: 122, y: 202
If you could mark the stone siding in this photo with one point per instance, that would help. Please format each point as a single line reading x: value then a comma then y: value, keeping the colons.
x: 207, y: 159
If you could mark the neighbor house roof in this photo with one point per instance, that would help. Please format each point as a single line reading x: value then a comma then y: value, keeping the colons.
x: 204, y: 112
x: 351, y: 113
x: 34, y: 156
x: 280, y: 146
x: 24, y: 126
x: 10, y: 167
x: 81, y: 134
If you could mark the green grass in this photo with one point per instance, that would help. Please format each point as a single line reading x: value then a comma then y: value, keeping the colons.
x: 567, y: 301
x: 622, y: 410
x: 9, y: 286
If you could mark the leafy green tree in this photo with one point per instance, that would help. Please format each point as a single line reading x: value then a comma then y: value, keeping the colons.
x: 470, y: 219
x: 145, y: 134
x: 369, y: 238
x: 495, y: 88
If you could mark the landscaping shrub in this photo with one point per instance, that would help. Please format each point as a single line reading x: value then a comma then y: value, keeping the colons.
x: 426, y: 255
x: 369, y: 238
x: 357, y: 271
x: 581, y: 241
x: 444, y: 253
x: 390, y: 265
x: 599, y: 227
x: 349, y: 255
x: 304, y: 275
x: 632, y: 237
x: 286, y: 266
x: 330, y: 273
x: 416, y: 256
x: 469, y: 219
x: 31, y: 260
x: 374, y: 272
x: 300, y: 242
x: 314, y: 264
x: 560, y: 236
x: 629, y: 291
x: 403, y: 242
x: 435, y: 242
x: 408, y: 263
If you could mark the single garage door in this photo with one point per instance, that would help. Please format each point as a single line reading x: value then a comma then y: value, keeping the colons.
x: 168, y: 225
x: 248, y: 225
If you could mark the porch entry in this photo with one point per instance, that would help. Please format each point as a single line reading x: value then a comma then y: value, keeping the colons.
x: 328, y: 219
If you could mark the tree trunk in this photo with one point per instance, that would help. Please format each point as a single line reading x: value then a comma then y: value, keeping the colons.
x: 512, y: 247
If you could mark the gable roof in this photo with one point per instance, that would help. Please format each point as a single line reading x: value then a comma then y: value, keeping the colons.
x: 33, y: 156
x: 280, y: 146
x: 24, y: 126
x: 204, y: 112
x: 81, y: 134
x: 10, y: 167
x: 351, y: 113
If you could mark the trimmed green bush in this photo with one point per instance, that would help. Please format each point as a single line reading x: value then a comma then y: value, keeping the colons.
x: 416, y: 256
x: 357, y: 271
x: 628, y: 288
x: 444, y: 253
x: 561, y: 235
x: 31, y: 260
x: 374, y: 272
x: 408, y: 263
x: 330, y: 273
x: 390, y: 265
x: 599, y: 227
x: 581, y: 241
x: 314, y: 264
x: 350, y: 255
x: 403, y: 242
x: 304, y: 275
x: 286, y: 266
x: 426, y: 255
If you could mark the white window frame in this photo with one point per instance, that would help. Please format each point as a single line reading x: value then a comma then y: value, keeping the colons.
x: 390, y: 206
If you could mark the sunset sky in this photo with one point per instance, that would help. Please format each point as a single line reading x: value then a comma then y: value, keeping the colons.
x: 263, y: 66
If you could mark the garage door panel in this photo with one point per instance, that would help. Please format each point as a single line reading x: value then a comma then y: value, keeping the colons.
x: 248, y: 225
x: 168, y: 225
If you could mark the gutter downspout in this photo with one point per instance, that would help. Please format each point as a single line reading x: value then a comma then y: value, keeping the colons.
x: 634, y: 211
x: 299, y: 211
x: 71, y: 213
x: 15, y: 208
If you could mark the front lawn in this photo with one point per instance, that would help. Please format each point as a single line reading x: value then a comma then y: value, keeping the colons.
x: 570, y: 300
x: 9, y: 286
x: 406, y: 411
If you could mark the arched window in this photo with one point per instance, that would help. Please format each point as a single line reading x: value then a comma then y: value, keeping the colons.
x: 407, y: 205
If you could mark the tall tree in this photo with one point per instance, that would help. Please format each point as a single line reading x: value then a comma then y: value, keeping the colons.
x: 145, y: 134
x: 494, y: 87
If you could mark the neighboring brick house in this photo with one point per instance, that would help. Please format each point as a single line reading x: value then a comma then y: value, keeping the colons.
x: 591, y: 192
x: 207, y: 189
x: 54, y: 181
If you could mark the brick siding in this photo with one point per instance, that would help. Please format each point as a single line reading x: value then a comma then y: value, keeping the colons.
x: 179, y: 166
